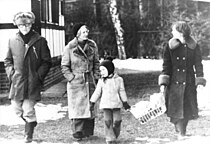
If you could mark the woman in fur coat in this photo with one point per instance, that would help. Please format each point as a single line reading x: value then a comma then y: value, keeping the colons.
x: 80, y: 66
x: 182, y: 73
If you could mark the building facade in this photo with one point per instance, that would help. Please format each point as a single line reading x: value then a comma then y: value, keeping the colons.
x: 49, y: 23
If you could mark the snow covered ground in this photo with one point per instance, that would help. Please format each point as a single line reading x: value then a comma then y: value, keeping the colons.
x: 55, y: 112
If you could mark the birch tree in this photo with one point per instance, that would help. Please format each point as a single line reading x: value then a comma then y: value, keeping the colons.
x: 118, y: 29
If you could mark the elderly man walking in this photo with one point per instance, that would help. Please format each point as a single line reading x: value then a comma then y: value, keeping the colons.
x: 27, y: 63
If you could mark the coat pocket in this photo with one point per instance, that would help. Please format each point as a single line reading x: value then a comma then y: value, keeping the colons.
x: 78, y: 78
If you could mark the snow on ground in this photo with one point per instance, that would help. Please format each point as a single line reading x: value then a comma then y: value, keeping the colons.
x: 19, y: 141
x: 55, y: 112
x: 43, y: 112
x: 139, y: 64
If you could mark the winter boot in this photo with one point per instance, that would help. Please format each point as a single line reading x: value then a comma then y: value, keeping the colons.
x: 29, y: 130
x: 185, y: 123
x: 180, y: 129
x: 78, y: 136
x: 116, y: 128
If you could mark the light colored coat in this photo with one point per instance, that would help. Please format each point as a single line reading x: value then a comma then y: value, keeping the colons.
x: 26, y: 66
x: 111, y: 91
x: 81, y: 68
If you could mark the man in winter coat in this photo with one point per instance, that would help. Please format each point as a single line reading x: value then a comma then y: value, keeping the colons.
x: 80, y: 66
x: 27, y: 63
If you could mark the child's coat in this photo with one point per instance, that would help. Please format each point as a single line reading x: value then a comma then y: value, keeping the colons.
x: 111, y: 91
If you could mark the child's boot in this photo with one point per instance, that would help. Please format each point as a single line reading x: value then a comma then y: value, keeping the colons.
x: 116, y: 127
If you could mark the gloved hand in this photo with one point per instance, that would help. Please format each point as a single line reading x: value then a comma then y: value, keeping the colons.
x: 92, y: 106
x: 126, y: 105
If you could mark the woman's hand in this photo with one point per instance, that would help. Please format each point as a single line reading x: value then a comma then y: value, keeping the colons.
x: 92, y: 106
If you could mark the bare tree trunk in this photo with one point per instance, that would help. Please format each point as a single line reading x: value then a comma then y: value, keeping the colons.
x: 118, y: 29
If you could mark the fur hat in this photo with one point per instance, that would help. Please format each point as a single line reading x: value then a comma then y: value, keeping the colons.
x: 22, y: 16
x: 76, y: 28
x: 108, y: 64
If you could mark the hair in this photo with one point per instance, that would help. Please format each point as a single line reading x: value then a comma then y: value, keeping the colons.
x: 29, y: 15
x: 109, y: 58
x: 182, y: 27
x: 77, y: 27
x: 109, y: 65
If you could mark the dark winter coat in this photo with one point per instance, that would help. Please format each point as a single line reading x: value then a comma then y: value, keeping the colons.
x: 182, y: 72
x: 26, y: 66
x: 80, y: 67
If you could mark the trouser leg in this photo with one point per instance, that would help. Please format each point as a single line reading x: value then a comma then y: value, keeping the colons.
x: 108, y: 127
x: 25, y: 110
x: 88, y: 129
x: 185, y: 123
x: 116, y: 122
x: 17, y: 107
x: 77, y: 128
x: 29, y: 115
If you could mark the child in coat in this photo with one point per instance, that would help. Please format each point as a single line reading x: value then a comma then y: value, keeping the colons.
x: 110, y: 89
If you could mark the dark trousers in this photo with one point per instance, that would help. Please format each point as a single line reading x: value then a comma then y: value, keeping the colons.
x: 82, y: 127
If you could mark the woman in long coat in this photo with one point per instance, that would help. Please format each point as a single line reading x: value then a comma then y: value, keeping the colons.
x: 80, y: 66
x: 182, y: 73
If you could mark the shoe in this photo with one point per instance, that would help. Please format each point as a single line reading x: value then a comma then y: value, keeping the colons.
x: 111, y: 142
x: 78, y: 139
x: 182, y: 137
x: 108, y: 142
x: 29, y: 130
x: 78, y: 136
x: 28, y: 140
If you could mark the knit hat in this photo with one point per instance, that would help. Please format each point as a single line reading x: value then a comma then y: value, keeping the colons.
x: 76, y: 28
x: 108, y: 64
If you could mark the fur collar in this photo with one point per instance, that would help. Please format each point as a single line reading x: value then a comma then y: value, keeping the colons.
x: 84, y: 53
x: 74, y: 43
x: 174, y: 43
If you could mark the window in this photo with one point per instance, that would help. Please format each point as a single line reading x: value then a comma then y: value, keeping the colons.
x: 55, y: 11
x: 50, y: 11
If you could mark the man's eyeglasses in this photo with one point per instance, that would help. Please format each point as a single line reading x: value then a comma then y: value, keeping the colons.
x: 24, y: 25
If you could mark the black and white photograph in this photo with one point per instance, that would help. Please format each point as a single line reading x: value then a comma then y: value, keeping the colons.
x: 104, y: 71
